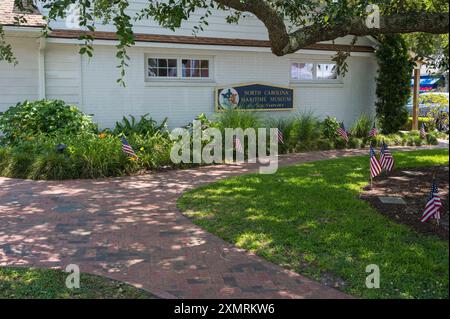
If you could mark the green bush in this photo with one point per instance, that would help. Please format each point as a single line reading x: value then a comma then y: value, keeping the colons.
x: 432, y: 139
x: 146, y: 125
x: 306, y: 128
x: 286, y: 126
x: 238, y: 119
x: 86, y: 156
x: 355, y: 142
x: 362, y: 126
x: 29, y: 119
x: 393, y: 82
x: 340, y: 144
x: 418, y: 141
x: 329, y: 127
x: 422, y: 120
x: 325, y: 144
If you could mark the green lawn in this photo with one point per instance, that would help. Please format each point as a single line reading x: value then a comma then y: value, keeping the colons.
x: 309, y: 218
x: 21, y: 283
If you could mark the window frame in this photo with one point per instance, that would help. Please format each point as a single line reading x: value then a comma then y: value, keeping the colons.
x: 179, y: 76
x: 314, y: 80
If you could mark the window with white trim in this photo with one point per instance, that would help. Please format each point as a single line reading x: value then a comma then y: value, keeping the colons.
x: 181, y: 68
x: 314, y: 71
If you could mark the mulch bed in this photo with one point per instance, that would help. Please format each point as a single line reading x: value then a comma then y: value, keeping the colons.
x: 414, y: 186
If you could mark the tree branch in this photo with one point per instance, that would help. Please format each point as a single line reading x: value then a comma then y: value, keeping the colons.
x: 283, y: 43
x: 436, y: 23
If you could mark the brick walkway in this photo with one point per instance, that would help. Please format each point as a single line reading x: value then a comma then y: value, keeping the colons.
x: 129, y: 229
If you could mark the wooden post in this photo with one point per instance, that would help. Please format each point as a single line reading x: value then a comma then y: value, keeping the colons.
x: 415, y: 122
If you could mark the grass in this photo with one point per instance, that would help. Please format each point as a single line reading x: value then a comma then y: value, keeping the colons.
x: 30, y: 283
x: 308, y: 218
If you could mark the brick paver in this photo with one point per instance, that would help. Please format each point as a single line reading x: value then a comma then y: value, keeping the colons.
x: 129, y: 229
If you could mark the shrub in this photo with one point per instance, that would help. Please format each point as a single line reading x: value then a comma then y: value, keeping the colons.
x: 306, y: 128
x: 355, y: 142
x: 325, y: 144
x: 437, y: 110
x: 422, y: 120
x: 86, y: 156
x: 29, y: 119
x: 286, y: 126
x: 393, y: 82
x: 146, y: 125
x: 418, y: 141
x: 362, y: 126
x: 432, y: 139
x: 340, y: 144
x: 238, y: 119
x: 329, y: 127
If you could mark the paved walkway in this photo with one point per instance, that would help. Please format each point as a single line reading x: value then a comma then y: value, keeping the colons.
x: 129, y: 229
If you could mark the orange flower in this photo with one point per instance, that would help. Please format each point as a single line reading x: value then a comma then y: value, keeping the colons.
x: 102, y: 135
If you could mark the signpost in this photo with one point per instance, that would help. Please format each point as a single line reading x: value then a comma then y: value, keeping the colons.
x: 254, y: 97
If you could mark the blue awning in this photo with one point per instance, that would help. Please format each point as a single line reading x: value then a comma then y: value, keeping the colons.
x: 427, y: 81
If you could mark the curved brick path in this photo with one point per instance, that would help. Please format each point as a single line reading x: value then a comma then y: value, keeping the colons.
x: 129, y: 229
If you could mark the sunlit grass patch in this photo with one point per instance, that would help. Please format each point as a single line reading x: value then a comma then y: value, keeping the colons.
x: 309, y: 218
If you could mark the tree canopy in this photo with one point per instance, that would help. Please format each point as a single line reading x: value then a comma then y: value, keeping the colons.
x: 291, y: 24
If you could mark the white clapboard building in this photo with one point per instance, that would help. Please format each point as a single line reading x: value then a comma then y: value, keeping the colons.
x: 177, y: 75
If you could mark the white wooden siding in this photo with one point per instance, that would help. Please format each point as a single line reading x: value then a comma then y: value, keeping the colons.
x: 62, y: 73
x: 20, y: 82
x: 181, y: 101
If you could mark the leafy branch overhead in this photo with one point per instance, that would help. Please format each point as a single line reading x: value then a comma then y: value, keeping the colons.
x: 291, y: 24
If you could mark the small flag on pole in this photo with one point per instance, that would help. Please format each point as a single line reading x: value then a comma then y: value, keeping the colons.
x: 434, y: 205
x: 386, y: 159
x: 126, y: 148
x: 423, y: 133
x: 280, y: 136
x: 375, y: 166
x: 342, y: 132
x: 238, y: 145
x: 373, y: 132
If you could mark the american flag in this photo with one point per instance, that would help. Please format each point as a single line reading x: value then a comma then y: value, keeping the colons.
x: 238, y: 145
x: 373, y: 132
x: 280, y: 136
x: 434, y: 205
x: 386, y: 159
x: 423, y: 133
x: 342, y: 132
x: 375, y: 166
x: 126, y: 148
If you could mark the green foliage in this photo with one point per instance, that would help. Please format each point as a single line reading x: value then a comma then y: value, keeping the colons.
x: 422, y: 120
x: 86, y: 156
x: 362, y: 126
x: 29, y: 119
x: 355, y: 142
x: 325, y: 144
x: 319, y: 227
x: 287, y: 127
x: 146, y: 125
x: 329, y: 127
x: 438, y: 110
x: 306, y: 130
x: 432, y: 139
x: 238, y: 119
x: 340, y: 144
x: 393, y: 83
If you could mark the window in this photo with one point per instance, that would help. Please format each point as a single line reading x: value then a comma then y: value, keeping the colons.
x: 178, y: 68
x: 195, y: 68
x: 302, y: 71
x: 326, y: 71
x: 165, y: 68
x: 312, y: 71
